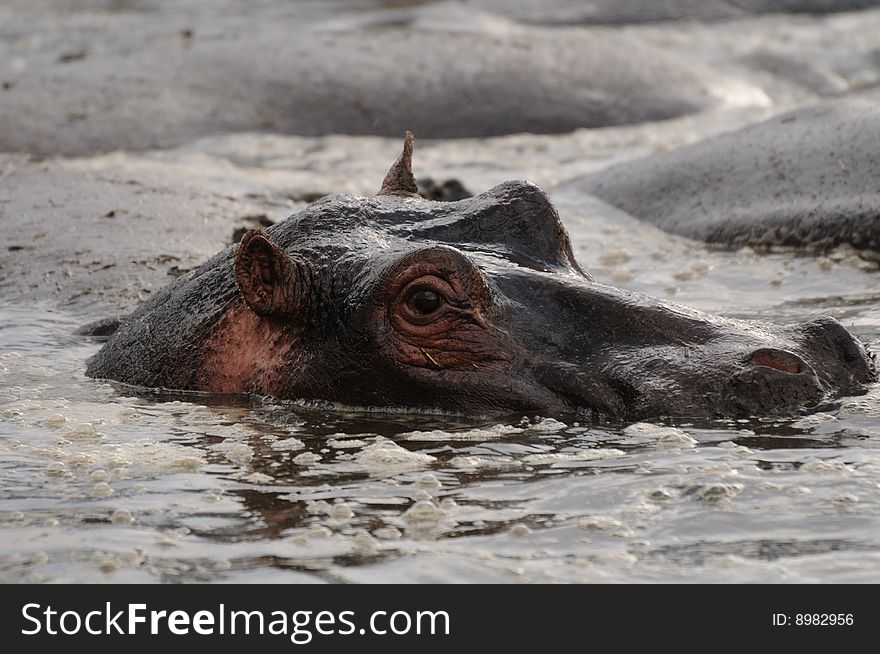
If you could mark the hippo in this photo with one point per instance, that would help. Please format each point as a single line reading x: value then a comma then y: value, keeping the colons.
x: 622, y: 12
x: 806, y: 179
x: 476, y: 307
x: 301, y: 75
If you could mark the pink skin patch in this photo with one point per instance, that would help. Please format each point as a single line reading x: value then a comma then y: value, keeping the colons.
x: 246, y: 354
x: 778, y: 360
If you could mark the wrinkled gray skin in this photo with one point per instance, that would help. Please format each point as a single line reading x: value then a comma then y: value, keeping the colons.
x: 613, y: 12
x: 534, y: 332
x: 809, y: 179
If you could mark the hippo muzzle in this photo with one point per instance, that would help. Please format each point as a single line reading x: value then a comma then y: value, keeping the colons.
x: 633, y: 356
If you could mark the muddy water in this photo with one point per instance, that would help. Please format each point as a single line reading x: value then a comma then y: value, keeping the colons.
x: 105, y: 483
x: 100, y: 482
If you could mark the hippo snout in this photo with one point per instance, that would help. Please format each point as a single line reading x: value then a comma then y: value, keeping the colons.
x: 839, y: 359
x: 829, y: 360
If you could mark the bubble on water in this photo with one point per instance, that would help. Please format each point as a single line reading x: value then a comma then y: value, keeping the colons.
x: 548, y: 425
x: 107, y: 565
x: 660, y: 494
x: 701, y: 266
x: 132, y: 557
x: 102, y: 489
x: 341, y: 512
x: 824, y: 263
x: 55, y: 420
x: 866, y: 405
x: 212, y: 495
x: 318, y: 507
x: 121, y: 517
x: 16, y: 516
x: 675, y: 439
x: 769, y: 486
x: 639, y: 510
x: 26, y: 406
x: 824, y: 466
x: 621, y: 276
x: 99, y: 475
x: 846, y: 498
x: 428, y: 480
x: 306, y: 459
x: 584, y: 455
x: 859, y: 263
x: 740, y: 451
x: 478, y: 462
x: 715, y: 492
x: 128, y: 413
x: 138, y: 489
x: 599, y: 523
x: 237, y: 431
x: 684, y: 275
x: 424, y: 519
x: 447, y: 504
x: 666, y: 437
x: 614, y: 257
x: 84, y: 431
x: 384, y: 453
x: 258, y: 478
x: 58, y: 469
x: 318, y: 532
x: 798, y: 491
x: 349, y: 444
x: 387, y: 533
x: 40, y: 558
x: 813, y: 420
x: 479, y: 434
x: 140, y: 457
x: 240, y: 453
x: 519, y: 530
x: 364, y: 544
x: 287, y: 444
x: 203, y: 414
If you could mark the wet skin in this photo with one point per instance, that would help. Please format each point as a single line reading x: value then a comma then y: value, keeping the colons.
x: 475, y: 306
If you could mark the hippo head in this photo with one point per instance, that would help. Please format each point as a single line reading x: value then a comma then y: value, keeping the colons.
x: 475, y: 306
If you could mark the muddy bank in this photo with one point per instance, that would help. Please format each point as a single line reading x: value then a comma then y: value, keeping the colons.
x: 808, y: 178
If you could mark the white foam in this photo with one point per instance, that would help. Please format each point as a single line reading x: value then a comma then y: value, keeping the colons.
x: 583, y: 455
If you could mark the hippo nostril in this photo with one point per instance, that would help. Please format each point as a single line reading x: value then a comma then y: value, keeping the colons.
x: 778, y: 360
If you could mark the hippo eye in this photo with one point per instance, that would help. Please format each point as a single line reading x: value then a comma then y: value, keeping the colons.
x: 424, y: 301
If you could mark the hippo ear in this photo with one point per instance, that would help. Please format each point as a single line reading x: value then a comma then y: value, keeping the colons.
x: 268, y: 280
x: 400, y: 180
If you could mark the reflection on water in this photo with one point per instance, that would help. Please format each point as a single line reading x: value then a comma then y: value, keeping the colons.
x: 96, y: 485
